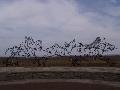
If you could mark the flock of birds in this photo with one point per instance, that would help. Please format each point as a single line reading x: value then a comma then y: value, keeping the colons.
x: 32, y: 48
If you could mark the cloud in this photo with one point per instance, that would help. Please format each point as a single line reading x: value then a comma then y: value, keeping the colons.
x: 52, y: 21
x: 114, y: 11
x: 114, y: 1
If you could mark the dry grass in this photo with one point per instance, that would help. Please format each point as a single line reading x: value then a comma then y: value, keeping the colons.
x: 62, y: 61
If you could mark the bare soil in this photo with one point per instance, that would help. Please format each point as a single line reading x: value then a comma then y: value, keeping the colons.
x: 93, y: 73
x: 57, y: 86
x: 11, y: 76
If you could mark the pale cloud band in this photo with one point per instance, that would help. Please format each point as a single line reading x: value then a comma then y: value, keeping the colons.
x: 56, y: 20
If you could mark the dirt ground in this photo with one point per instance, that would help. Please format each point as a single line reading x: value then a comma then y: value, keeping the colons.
x: 105, y: 74
x: 57, y: 86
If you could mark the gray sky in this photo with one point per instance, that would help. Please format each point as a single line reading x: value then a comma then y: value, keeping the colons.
x: 59, y: 20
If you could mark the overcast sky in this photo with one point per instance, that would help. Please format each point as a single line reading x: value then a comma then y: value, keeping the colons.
x: 59, y: 20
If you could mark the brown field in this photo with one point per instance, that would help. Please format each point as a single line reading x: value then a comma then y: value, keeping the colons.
x: 114, y: 61
x: 56, y: 86
x: 16, y: 69
x: 59, y: 78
